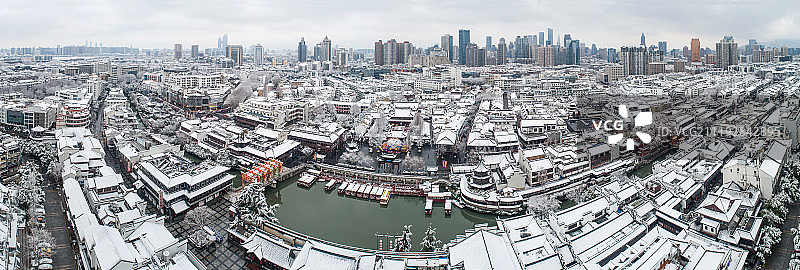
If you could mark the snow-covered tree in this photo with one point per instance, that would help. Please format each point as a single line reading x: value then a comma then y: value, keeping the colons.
x: 540, y: 205
x: 413, y: 163
x: 403, y: 243
x: 40, y: 242
x: 429, y: 242
x: 358, y: 158
x: 30, y: 191
x: 770, y: 236
x: 244, y: 90
x: 199, y: 216
x: 251, y: 205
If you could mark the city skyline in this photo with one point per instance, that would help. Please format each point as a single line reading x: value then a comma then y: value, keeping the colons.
x: 161, y: 25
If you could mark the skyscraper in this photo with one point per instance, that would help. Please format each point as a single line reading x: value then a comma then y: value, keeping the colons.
x: 502, y: 52
x: 573, y: 52
x: 695, y: 50
x: 662, y: 46
x: 727, y: 52
x: 379, y: 58
x: 751, y: 46
x: 447, y: 46
x: 541, y: 38
x: 634, y: 60
x: 178, y: 51
x: 488, y: 42
x: 567, y: 39
x: 235, y: 53
x: 549, y: 36
x: 326, y: 49
x: 644, y: 44
x: 463, y: 41
x: 302, y: 50
x: 195, y: 51
x: 258, y: 55
x: 224, y: 41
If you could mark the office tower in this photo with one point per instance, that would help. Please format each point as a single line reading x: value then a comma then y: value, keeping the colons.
x: 521, y: 48
x: 662, y: 46
x: 235, y: 53
x: 573, y: 52
x: 727, y: 53
x: 326, y: 49
x: 225, y: 40
x: 258, y: 55
x: 567, y: 39
x: 612, y: 55
x: 302, y: 50
x: 195, y: 51
x: 463, y: 41
x: 695, y: 50
x: 379, y: 58
x: 219, y: 43
x: 634, y: 60
x: 447, y: 46
x: 751, y: 46
x: 602, y: 53
x: 178, y: 51
x: 502, y: 52
x: 549, y: 36
x: 643, y: 44
x: 541, y: 38
x: 481, y: 57
x: 488, y: 42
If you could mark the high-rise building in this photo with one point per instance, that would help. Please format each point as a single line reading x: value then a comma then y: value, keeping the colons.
x: 258, y: 54
x: 546, y: 56
x: 594, y: 49
x: 521, y: 48
x: 326, y: 52
x: 541, y: 38
x: 611, y: 56
x: 549, y: 36
x: 302, y: 50
x: 463, y: 41
x: 404, y: 50
x: 488, y: 42
x: 195, y: 51
x: 695, y: 50
x: 573, y: 52
x: 567, y: 39
x: 634, y: 60
x: 235, y: 53
x: 727, y: 52
x: 502, y: 52
x: 447, y: 46
x: 662, y: 46
x: 178, y: 51
x: 379, y: 58
x: 643, y: 44
x: 751, y: 46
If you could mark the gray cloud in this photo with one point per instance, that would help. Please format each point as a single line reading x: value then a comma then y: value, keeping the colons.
x: 358, y: 23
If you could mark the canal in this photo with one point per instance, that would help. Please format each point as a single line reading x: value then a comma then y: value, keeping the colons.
x: 355, y: 222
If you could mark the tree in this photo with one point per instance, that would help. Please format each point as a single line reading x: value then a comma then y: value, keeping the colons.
x: 251, y: 206
x: 770, y: 236
x: 244, y: 90
x: 540, y: 205
x: 403, y: 243
x: 199, y: 216
x: 429, y: 242
x: 413, y: 163
x: 30, y: 192
x: 40, y: 242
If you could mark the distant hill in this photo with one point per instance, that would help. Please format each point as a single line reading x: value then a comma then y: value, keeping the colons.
x: 792, y: 43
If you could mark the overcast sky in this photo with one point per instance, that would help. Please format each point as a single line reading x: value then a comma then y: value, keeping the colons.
x: 279, y: 24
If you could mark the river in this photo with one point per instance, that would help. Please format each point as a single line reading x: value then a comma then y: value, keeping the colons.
x: 355, y: 222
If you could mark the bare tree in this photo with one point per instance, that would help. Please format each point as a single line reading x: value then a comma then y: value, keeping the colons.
x: 413, y: 163
x: 540, y: 205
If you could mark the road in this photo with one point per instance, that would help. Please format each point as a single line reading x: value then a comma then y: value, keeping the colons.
x: 782, y: 252
x: 56, y: 223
